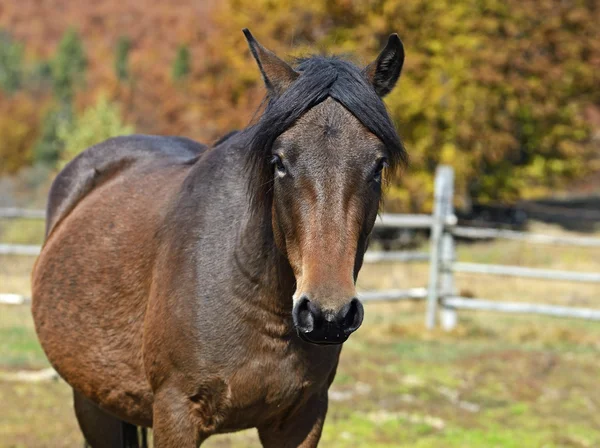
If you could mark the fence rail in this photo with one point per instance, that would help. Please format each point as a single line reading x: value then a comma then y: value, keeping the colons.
x: 14, y: 299
x: 479, y: 233
x: 384, y: 221
x: 397, y: 256
x: 394, y: 294
x: 521, y: 308
x: 390, y: 220
x: 407, y: 221
x: 19, y: 249
x: 518, y: 271
x: 14, y: 213
x: 370, y: 256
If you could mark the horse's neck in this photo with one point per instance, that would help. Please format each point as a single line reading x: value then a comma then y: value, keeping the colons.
x: 262, y: 273
x: 263, y: 266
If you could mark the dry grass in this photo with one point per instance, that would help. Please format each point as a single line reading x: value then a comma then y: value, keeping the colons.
x: 15, y: 274
x: 504, y: 252
x: 495, y: 381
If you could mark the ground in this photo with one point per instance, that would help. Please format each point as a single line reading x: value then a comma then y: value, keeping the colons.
x: 495, y: 381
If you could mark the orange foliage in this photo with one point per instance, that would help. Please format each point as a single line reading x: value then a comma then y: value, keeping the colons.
x: 19, y: 124
x: 151, y: 101
x: 496, y: 88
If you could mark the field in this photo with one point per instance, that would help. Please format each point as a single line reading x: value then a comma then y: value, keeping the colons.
x: 495, y: 381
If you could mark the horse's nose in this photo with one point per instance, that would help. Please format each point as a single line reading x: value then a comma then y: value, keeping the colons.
x: 319, y: 326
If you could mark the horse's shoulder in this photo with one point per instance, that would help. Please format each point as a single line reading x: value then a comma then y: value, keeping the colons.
x: 103, y: 161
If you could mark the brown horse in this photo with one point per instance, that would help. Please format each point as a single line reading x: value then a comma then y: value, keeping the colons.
x: 201, y: 290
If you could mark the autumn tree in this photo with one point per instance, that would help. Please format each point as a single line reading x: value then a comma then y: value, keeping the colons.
x: 97, y: 123
x: 494, y: 88
x: 19, y: 121
x: 68, y: 66
x: 11, y: 63
x: 122, y: 58
x: 67, y: 70
x: 181, y: 64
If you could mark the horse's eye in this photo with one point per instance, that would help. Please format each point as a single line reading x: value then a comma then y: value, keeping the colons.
x: 381, y: 164
x: 279, y: 166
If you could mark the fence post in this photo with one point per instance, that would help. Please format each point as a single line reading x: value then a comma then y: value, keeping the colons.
x: 448, y: 315
x: 443, y: 194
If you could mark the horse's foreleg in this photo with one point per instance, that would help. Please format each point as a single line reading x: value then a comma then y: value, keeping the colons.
x: 174, y: 425
x: 302, y: 429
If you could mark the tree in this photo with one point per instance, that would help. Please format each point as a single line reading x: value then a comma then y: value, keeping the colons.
x: 19, y: 123
x: 96, y: 124
x: 11, y: 64
x: 68, y: 66
x: 47, y: 150
x: 494, y: 88
x: 181, y: 64
x: 68, y: 72
x: 122, y: 58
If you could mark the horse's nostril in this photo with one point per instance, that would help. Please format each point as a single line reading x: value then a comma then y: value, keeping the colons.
x: 302, y: 314
x: 351, y: 316
x: 324, y: 326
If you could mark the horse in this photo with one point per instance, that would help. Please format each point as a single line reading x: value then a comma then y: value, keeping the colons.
x: 197, y: 289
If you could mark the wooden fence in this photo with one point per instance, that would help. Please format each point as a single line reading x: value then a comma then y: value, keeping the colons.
x: 440, y: 292
x: 443, y: 265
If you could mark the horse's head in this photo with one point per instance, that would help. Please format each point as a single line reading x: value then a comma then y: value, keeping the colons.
x: 323, y: 143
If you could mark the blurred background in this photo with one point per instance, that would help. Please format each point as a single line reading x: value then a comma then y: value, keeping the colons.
x: 506, y: 92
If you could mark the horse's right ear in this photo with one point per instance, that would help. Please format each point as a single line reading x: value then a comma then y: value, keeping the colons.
x: 277, y: 74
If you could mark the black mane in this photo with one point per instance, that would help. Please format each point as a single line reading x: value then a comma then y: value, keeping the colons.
x: 320, y: 78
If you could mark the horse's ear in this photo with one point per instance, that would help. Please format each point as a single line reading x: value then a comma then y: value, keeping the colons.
x: 385, y: 70
x: 277, y: 74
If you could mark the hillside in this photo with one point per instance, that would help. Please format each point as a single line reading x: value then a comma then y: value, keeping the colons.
x: 506, y: 92
x: 152, y: 101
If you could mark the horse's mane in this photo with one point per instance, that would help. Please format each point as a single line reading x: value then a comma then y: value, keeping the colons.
x: 225, y: 137
x: 320, y: 77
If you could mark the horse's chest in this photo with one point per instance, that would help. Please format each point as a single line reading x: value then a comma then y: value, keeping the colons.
x: 267, y: 386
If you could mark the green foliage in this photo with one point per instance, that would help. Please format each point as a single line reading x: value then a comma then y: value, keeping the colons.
x: 122, y: 58
x: 494, y: 88
x: 68, y: 66
x: 65, y: 71
x: 39, y: 76
x: 96, y: 124
x: 181, y: 64
x: 49, y: 146
x: 65, y: 135
x: 11, y: 64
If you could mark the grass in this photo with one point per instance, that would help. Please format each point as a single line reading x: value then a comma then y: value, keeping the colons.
x: 22, y: 231
x: 15, y: 274
x: 495, y: 381
x: 37, y: 415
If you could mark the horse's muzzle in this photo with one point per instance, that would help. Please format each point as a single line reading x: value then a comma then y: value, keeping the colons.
x: 320, y: 326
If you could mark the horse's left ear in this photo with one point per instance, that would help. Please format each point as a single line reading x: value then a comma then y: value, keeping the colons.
x: 277, y: 74
x: 385, y: 70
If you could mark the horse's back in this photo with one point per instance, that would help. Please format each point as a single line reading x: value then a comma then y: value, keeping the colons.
x: 92, y: 280
x: 110, y: 158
